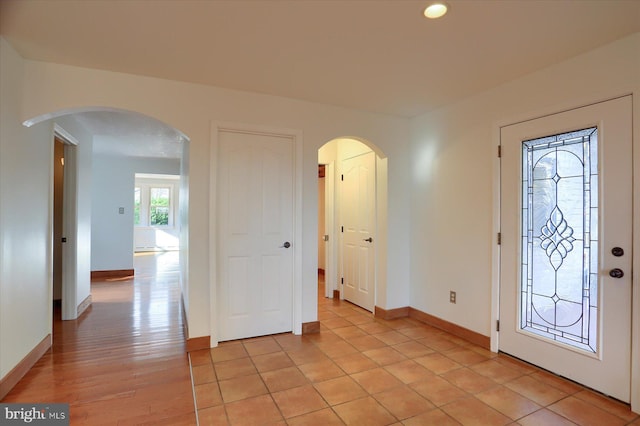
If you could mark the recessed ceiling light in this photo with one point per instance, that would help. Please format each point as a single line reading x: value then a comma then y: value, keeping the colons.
x: 435, y: 10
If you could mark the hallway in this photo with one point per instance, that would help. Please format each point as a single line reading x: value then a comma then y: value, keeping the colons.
x: 123, y: 362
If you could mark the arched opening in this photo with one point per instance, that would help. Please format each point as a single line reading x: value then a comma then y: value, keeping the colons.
x: 352, y: 225
x: 103, y: 150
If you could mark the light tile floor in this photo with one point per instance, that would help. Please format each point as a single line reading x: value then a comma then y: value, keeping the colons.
x: 364, y: 371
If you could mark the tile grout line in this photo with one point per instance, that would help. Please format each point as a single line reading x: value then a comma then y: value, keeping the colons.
x: 193, y: 390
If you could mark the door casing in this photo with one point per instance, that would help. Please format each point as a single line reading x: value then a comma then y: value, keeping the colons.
x: 329, y: 226
x: 216, y: 128
x: 69, y: 225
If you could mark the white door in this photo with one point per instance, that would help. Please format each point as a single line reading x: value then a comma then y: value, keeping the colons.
x: 565, y: 289
x: 255, y: 231
x: 358, y: 213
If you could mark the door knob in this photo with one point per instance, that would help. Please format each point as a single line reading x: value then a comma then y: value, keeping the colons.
x: 616, y: 273
x: 286, y: 244
x: 617, y: 251
x: 369, y: 240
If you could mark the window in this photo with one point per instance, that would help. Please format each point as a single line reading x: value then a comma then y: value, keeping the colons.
x: 154, y: 203
x: 159, y: 206
x: 137, y: 200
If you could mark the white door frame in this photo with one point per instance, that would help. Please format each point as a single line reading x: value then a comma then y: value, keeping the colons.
x: 495, y: 251
x: 296, y: 135
x: 69, y: 226
x: 331, y: 261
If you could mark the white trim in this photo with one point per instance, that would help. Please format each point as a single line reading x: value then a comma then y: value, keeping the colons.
x: 156, y: 176
x: 495, y: 248
x: 50, y: 236
x: 70, y: 223
x: 635, y: 284
x: 213, y: 235
x: 495, y: 263
x: 297, y: 241
x: 64, y: 135
x: 331, y: 260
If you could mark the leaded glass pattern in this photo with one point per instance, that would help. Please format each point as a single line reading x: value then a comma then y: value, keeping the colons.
x: 559, y: 284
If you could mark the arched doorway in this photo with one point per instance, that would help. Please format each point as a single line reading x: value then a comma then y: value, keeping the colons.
x: 123, y: 134
x: 353, y: 233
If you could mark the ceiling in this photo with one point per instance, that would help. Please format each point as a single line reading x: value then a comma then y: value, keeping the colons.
x: 131, y: 135
x: 375, y: 55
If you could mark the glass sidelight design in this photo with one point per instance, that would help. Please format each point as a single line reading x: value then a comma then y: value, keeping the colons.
x: 559, y: 259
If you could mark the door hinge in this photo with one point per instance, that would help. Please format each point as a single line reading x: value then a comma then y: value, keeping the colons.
x: 341, y: 177
x: 499, y: 238
x: 326, y: 238
x: 499, y: 151
x: 342, y: 229
x: 497, y: 325
x: 342, y: 280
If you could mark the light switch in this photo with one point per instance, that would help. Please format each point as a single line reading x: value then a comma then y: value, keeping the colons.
x: 121, y: 210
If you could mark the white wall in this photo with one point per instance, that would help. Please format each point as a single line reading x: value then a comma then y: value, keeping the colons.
x: 191, y: 108
x: 453, y: 155
x: 26, y: 158
x: 112, y: 188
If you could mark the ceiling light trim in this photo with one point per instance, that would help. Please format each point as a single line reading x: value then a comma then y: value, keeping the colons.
x: 436, y: 10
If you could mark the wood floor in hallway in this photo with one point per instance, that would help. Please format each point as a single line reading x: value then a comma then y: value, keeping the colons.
x: 123, y: 362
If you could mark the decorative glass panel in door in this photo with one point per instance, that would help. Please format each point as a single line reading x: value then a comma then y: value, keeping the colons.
x: 559, y: 290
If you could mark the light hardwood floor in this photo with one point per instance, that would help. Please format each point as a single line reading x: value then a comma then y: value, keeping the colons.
x: 123, y: 362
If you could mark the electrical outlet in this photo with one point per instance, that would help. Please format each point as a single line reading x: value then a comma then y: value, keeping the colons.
x: 452, y: 296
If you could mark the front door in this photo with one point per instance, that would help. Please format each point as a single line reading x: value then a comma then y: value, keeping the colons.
x: 358, y: 217
x: 255, y: 231
x: 565, y: 286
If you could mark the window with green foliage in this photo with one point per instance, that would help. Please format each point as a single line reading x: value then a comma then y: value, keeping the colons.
x: 137, y: 200
x: 159, y: 206
x: 153, y: 204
